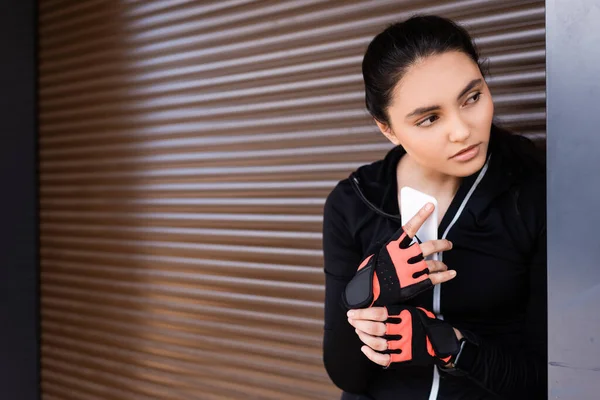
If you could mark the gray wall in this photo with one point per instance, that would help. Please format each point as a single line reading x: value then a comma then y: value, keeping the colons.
x: 573, y: 91
x: 19, y: 336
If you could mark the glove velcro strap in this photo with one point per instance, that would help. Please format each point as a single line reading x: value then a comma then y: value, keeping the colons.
x: 441, y: 335
x: 361, y: 290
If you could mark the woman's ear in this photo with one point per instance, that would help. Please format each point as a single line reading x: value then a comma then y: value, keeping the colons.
x: 387, y: 132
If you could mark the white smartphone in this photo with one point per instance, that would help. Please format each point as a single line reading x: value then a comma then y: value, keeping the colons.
x: 411, y: 201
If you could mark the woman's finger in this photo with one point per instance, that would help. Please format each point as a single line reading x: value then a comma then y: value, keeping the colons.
x: 435, y: 246
x: 414, y: 224
x: 436, y: 266
x: 374, y: 342
x: 377, y: 358
x: 441, y: 277
x: 371, y: 314
x: 370, y: 327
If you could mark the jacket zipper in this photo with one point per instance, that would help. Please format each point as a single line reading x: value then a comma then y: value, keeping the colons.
x: 435, y: 386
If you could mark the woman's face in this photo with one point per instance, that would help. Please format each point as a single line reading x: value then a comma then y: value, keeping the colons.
x: 441, y: 113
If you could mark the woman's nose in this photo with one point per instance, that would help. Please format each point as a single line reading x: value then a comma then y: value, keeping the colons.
x: 459, y: 130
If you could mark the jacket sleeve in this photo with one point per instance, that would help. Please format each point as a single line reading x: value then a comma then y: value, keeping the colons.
x: 520, y: 372
x: 346, y: 365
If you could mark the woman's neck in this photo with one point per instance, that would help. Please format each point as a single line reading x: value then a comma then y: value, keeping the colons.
x: 434, y: 183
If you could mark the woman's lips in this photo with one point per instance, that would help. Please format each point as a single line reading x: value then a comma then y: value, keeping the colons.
x: 467, y: 154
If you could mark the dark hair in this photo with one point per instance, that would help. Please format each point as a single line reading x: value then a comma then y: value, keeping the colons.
x: 399, y: 46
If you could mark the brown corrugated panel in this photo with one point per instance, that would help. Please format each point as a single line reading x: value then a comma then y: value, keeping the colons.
x: 186, y: 150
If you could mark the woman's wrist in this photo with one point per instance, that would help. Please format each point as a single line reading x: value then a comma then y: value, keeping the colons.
x: 459, y: 335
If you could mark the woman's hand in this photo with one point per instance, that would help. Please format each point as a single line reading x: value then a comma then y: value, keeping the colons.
x: 438, y: 271
x: 397, y: 271
x: 370, y: 326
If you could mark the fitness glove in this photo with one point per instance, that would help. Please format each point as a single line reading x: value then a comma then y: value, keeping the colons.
x: 416, y: 337
x: 392, y: 275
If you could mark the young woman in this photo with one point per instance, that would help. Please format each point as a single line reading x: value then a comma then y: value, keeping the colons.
x: 474, y: 325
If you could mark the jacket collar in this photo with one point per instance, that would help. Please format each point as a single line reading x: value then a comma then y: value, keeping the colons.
x: 376, y: 183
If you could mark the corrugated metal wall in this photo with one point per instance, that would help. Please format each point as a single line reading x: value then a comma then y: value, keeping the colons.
x: 186, y: 149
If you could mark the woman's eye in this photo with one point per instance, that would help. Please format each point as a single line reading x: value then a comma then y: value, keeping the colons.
x: 431, y: 119
x: 474, y: 98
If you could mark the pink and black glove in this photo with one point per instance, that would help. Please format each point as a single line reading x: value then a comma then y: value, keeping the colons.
x: 416, y: 337
x: 394, y: 274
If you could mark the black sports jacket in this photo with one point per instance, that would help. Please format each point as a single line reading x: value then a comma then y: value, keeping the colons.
x: 497, y: 224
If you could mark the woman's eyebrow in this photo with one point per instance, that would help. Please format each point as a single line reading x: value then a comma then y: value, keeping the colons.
x: 423, y: 110
x: 470, y: 86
